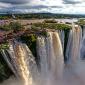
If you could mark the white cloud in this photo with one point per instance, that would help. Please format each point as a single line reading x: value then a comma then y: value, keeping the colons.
x: 5, y: 5
x: 53, y: 6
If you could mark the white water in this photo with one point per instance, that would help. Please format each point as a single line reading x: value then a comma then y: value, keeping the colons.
x: 41, y: 53
x: 24, y: 63
x: 73, y: 46
x: 51, y: 58
x: 52, y: 68
x: 62, y: 36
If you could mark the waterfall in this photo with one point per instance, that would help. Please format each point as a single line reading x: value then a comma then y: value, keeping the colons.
x: 57, y: 60
x: 62, y: 36
x: 9, y: 62
x: 51, y: 55
x: 82, y: 48
x: 41, y: 50
x: 41, y: 53
x: 73, y: 46
x: 50, y: 49
x: 69, y: 45
x: 55, y: 54
x: 83, y: 31
x: 23, y: 61
x: 21, y: 54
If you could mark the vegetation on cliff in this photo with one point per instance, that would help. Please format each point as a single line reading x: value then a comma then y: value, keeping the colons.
x: 16, y: 26
x: 4, y: 46
x: 81, y: 22
x: 56, y: 26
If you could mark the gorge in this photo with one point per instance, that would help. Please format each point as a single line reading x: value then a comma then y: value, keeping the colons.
x: 55, y: 57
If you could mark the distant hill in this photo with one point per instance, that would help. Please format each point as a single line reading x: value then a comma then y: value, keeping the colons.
x: 40, y: 16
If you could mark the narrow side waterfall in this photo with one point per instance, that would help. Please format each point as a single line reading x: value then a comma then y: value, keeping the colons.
x: 77, y: 36
x: 73, y: 46
x: 58, y: 60
x: 62, y: 36
x: 69, y: 45
x: 44, y: 66
x: 41, y: 52
x: 9, y: 62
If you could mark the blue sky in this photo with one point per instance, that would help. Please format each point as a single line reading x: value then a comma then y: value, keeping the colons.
x: 53, y: 6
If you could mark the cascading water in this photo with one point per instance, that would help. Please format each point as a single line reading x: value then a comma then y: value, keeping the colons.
x: 76, y: 44
x: 82, y: 49
x: 55, y: 53
x: 51, y: 57
x: 50, y: 53
x: 21, y: 55
x: 9, y: 62
x: 23, y: 61
x: 41, y: 53
x: 73, y: 52
x: 69, y: 45
x: 83, y: 31
x: 58, y: 61
x: 62, y: 36
x: 73, y: 46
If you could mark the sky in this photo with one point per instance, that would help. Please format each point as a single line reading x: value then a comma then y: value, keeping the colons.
x: 43, y: 6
